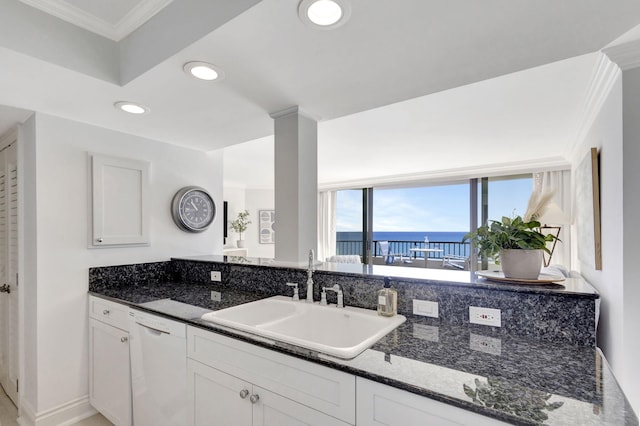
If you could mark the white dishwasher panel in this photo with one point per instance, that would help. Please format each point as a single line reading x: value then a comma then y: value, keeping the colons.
x: 158, y: 370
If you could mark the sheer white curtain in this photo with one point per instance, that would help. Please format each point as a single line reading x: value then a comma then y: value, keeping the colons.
x: 326, y: 224
x: 558, y: 182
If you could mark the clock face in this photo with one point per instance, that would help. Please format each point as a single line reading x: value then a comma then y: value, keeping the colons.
x: 193, y: 209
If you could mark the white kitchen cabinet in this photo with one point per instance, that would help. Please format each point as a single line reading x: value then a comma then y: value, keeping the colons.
x: 290, y: 391
x: 221, y: 399
x: 380, y: 404
x: 109, y: 373
x: 120, y: 213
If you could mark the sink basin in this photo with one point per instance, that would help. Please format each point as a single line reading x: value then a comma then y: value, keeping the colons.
x: 339, y: 332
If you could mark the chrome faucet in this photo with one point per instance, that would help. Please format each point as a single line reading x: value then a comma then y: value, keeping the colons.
x: 336, y: 288
x: 310, y: 278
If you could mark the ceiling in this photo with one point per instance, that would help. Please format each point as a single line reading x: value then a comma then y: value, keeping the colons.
x: 525, y: 120
x: 387, y: 53
x: 114, y: 19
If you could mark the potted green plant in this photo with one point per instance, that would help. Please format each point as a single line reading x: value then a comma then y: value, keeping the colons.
x: 239, y: 225
x: 515, y: 243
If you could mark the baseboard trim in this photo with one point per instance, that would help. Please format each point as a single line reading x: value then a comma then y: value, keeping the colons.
x: 63, y: 415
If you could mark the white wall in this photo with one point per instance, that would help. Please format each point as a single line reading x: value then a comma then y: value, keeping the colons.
x: 59, y: 267
x: 253, y: 200
x: 235, y: 199
x: 256, y: 200
x: 619, y: 312
x: 630, y: 374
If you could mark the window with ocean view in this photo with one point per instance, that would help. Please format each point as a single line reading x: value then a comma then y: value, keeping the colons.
x: 425, y: 225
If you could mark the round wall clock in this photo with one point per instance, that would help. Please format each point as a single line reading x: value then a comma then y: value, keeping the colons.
x: 193, y: 209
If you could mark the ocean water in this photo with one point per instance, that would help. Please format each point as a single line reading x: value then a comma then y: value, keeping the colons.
x: 448, y: 242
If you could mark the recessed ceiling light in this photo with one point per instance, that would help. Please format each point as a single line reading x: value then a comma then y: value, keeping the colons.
x: 202, y: 71
x: 324, y: 14
x: 131, y: 107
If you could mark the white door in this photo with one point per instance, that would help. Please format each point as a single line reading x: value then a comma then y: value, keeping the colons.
x: 9, y: 271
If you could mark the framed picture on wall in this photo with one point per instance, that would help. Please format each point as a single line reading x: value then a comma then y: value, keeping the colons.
x: 588, y: 211
x: 266, y: 226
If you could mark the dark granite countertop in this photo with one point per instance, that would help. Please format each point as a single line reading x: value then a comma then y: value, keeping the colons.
x: 512, y: 379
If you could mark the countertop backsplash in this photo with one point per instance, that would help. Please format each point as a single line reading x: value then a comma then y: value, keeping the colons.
x: 558, y: 313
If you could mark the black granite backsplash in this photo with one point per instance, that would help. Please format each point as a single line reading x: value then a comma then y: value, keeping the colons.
x: 567, y: 318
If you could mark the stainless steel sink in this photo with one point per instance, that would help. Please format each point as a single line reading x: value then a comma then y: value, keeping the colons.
x: 340, y: 332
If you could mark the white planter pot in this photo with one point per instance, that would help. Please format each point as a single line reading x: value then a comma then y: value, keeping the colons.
x: 240, y: 243
x: 522, y: 264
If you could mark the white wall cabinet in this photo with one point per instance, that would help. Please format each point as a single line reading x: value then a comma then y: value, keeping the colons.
x: 281, y: 390
x: 119, y: 201
x: 109, y: 374
x: 380, y: 404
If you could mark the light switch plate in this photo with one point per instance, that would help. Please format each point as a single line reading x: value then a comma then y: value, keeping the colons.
x: 425, y: 308
x: 429, y: 333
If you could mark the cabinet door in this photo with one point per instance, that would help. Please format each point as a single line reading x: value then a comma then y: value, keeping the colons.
x: 270, y: 409
x: 120, y: 208
x: 109, y: 377
x: 378, y: 404
x: 216, y: 398
x: 318, y: 387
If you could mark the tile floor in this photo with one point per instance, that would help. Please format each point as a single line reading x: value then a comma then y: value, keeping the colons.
x: 9, y: 414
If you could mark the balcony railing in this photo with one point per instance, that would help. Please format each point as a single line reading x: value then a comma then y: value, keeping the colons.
x: 404, y: 248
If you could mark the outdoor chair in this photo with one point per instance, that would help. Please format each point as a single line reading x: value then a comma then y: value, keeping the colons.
x: 385, y: 251
x: 455, y: 261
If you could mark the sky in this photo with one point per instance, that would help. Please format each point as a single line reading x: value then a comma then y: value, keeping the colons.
x: 443, y: 208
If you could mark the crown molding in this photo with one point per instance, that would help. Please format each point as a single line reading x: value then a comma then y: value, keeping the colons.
x: 291, y: 111
x: 626, y: 55
x: 451, y: 175
x: 605, y: 74
x: 140, y: 14
x: 137, y: 16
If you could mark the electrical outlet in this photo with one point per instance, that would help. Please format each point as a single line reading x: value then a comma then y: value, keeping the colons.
x: 216, y: 276
x: 425, y: 308
x: 485, y: 316
x: 216, y: 296
x: 489, y: 345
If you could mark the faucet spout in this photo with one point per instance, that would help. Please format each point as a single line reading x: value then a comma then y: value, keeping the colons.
x: 309, y: 286
x: 310, y: 278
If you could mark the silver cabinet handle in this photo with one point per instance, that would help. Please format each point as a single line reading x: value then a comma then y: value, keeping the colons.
x: 244, y: 393
x: 100, y: 240
x: 254, y: 398
x: 124, y: 339
x: 105, y: 312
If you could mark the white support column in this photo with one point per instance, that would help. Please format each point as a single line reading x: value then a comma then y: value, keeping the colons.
x: 296, y: 185
x: 627, y: 57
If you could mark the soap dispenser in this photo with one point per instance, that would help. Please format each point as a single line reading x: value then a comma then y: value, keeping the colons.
x: 387, y: 300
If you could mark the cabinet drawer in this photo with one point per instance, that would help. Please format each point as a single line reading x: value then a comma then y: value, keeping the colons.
x: 109, y: 312
x: 322, y: 388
